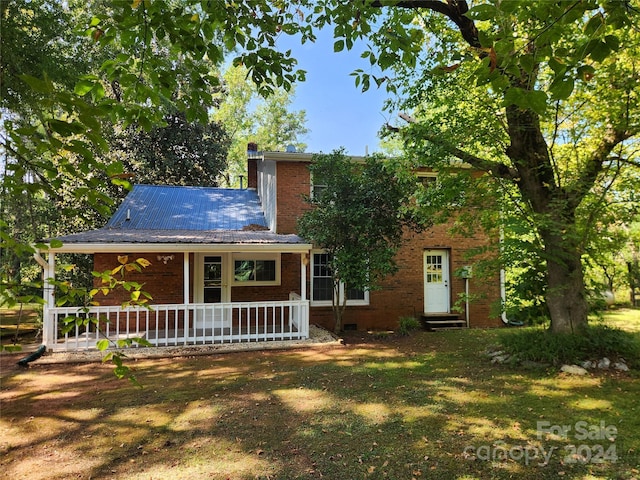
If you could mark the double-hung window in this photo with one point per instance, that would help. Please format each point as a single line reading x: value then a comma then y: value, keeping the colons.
x: 322, y: 284
x: 318, y: 186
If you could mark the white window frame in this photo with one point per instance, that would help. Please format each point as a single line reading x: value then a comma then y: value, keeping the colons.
x: 431, y: 176
x: 328, y: 303
x: 321, y: 187
x: 253, y: 257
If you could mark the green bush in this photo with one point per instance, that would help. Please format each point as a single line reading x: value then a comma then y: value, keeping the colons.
x: 408, y: 325
x: 596, y: 342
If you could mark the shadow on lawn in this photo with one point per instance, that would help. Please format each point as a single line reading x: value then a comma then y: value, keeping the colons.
x: 391, y: 408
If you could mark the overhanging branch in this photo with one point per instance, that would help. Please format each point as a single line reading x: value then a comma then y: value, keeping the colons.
x: 625, y: 161
x: 455, y: 10
x: 497, y: 169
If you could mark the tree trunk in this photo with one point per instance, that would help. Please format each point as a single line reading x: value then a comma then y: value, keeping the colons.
x: 566, y: 293
x: 338, y: 307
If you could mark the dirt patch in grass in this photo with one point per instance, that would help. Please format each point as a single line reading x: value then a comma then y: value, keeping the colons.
x: 425, y: 406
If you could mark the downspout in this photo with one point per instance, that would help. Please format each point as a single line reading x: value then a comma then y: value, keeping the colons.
x: 503, y: 296
x: 466, y: 299
x: 503, y: 282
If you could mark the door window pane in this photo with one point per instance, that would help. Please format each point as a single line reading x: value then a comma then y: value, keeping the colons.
x: 433, y: 268
x: 212, y: 292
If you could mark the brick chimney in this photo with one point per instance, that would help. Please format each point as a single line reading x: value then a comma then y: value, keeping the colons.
x: 252, y: 165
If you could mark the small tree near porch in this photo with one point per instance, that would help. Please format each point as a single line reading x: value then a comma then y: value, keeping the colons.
x: 358, y: 218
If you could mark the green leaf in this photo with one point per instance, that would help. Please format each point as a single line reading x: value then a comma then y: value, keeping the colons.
x: 483, y: 12
x: 537, y: 101
x: 38, y: 85
x: 562, y: 88
x: 528, y: 63
x: 557, y: 65
x: 594, y: 24
x: 338, y: 46
x: 121, y: 371
x: 600, y: 51
x: 55, y: 243
x: 83, y: 87
x: 102, y: 344
x: 142, y: 342
x: 586, y: 72
x: 613, y: 42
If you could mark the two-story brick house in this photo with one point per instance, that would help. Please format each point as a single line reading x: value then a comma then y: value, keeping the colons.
x: 227, y: 266
x: 434, y: 271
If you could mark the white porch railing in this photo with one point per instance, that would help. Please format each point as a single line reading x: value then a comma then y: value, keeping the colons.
x: 179, y: 324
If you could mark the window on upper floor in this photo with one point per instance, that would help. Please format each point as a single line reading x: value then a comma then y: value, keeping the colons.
x: 428, y: 179
x: 318, y: 186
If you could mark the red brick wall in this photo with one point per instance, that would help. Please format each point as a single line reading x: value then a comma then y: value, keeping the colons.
x: 293, y: 183
x: 403, y: 293
x: 163, y: 282
x: 252, y: 173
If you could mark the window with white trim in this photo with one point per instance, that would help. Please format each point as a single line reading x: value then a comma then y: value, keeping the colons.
x: 428, y: 179
x: 256, y: 269
x: 318, y: 186
x: 322, y: 284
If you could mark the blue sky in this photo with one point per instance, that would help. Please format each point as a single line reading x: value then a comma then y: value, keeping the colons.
x: 338, y: 113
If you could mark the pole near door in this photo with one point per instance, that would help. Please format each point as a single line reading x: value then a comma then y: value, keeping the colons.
x: 467, y: 273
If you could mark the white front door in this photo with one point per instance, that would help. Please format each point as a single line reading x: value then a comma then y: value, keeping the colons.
x: 211, y: 288
x: 436, y: 281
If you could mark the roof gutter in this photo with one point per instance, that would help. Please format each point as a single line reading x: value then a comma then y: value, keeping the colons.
x: 181, y: 247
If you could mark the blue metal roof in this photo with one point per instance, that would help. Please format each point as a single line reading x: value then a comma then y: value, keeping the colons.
x: 157, y: 207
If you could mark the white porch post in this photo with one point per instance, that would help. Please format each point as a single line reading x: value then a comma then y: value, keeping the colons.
x: 185, y: 292
x: 186, y: 278
x: 49, y: 324
x: 304, y: 321
x: 304, y: 260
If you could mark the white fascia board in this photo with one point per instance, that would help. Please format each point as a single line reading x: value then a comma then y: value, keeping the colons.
x: 180, y: 247
x: 297, y: 157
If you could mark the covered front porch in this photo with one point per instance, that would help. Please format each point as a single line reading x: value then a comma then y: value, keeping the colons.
x: 222, y: 297
x: 177, y: 325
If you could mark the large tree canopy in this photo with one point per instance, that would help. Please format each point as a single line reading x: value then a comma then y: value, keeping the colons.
x: 178, y: 153
x: 541, y: 95
x: 249, y: 118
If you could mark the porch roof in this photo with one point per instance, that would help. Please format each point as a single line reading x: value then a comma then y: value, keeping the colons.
x: 109, y: 239
x: 165, y: 218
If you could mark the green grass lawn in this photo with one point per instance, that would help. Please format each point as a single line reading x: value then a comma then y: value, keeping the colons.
x: 624, y: 318
x: 381, y: 407
x: 25, y: 322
